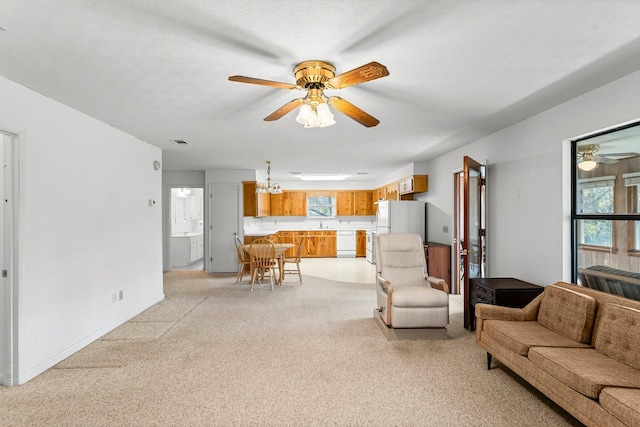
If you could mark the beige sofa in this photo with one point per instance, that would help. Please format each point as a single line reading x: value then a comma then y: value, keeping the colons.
x: 578, y: 346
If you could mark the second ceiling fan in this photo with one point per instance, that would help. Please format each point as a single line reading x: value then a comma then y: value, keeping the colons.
x: 315, y: 77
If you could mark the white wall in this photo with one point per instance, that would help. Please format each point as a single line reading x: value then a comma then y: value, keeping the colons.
x: 528, y: 220
x: 86, y: 227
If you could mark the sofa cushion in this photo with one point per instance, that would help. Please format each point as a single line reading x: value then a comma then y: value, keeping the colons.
x: 569, y: 313
x: 585, y: 370
x: 419, y: 296
x: 520, y: 336
x: 619, y: 334
x: 623, y: 403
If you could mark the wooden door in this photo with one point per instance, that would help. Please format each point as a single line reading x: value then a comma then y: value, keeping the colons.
x: 472, y: 237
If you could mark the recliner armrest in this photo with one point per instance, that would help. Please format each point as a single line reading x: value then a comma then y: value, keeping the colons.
x: 437, y: 283
x: 383, y: 283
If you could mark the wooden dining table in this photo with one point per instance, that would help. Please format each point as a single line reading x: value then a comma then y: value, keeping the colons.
x: 280, y: 248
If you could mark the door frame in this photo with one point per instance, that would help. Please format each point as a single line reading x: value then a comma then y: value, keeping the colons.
x: 9, y: 331
x: 461, y: 235
x: 167, y: 222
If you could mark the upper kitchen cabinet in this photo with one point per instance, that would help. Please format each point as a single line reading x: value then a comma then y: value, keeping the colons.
x: 255, y: 204
x: 392, y: 191
x: 277, y: 204
x: 344, y: 203
x: 363, y: 202
x: 289, y: 203
x: 349, y: 203
x: 412, y: 184
x: 295, y: 203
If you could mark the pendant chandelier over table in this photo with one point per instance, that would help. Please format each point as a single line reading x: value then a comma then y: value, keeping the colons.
x: 268, y: 187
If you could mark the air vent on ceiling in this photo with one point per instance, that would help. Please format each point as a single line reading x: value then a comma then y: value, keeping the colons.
x: 180, y: 141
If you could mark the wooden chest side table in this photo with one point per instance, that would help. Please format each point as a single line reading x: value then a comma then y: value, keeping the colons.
x: 504, y: 291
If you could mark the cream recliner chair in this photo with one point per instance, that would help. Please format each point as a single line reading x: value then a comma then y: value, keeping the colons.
x: 411, y: 305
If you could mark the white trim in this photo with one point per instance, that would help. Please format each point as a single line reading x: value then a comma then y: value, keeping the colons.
x: 601, y: 181
x: 9, y: 333
x: 631, y: 179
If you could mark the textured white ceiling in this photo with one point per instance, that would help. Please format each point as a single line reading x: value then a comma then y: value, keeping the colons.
x: 459, y: 70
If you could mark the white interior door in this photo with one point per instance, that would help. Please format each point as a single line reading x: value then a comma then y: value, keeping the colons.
x: 224, y: 224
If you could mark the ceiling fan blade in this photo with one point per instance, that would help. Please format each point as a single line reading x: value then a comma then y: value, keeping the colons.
x: 365, y: 73
x: 286, y: 108
x: 619, y: 156
x: 348, y: 109
x: 243, y: 79
x: 604, y: 160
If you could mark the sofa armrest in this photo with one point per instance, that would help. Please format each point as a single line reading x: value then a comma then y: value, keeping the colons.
x: 496, y: 312
x: 438, y: 283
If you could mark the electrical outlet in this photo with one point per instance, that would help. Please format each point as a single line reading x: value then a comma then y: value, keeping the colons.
x: 121, y: 295
x: 114, y: 298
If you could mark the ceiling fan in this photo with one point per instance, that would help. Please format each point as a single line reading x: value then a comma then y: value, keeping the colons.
x: 588, y: 159
x: 315, y: 77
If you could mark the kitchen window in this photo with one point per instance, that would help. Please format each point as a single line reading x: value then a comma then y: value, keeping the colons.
x: 321, y: 206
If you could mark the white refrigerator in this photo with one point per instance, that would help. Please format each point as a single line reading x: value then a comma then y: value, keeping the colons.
x: 401, y: 216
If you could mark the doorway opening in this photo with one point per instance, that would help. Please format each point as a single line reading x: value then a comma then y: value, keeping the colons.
x: 187, y: 228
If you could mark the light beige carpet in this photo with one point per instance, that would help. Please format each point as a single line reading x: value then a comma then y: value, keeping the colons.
x: 216, y: 354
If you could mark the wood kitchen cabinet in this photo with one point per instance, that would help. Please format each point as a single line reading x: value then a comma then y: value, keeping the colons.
x: 344, y: 203
x: 349, y: 203
x: 295, y: 203
x: 363, y: 202
x: 277, y: 204
x: 361, y: 243
x: 321, y: 244
x: 412, y: 184
x: 255, y: 204
x: 289, y: 203
x: 439, y: 261
x: 392, y: 191
x: 293, y: 237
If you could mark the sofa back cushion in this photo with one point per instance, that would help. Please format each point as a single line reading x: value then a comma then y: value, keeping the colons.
x: 569, y: 313
x: 619, y: 334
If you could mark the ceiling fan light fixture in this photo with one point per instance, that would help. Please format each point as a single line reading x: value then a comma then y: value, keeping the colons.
x: 325, y: 117
x: 587, y: 165
x: 304, y: 114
